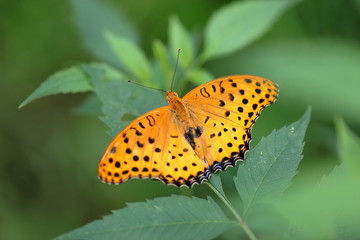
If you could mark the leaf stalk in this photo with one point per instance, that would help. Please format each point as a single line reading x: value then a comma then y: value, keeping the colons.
x: 239, y: 219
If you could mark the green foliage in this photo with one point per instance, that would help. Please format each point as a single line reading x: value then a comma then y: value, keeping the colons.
x: 330, y: 209
x: 133, y: 61
x: 69, y: 80
x: 200, y: 76
x: 121, y: 101
x: 315, y: 65
x: 130, y: 55
x: 163, y: 60
x: 236, y: 25
x: 182, y: 217
x: 175, y: 217
x: 92, y: 18
x: 180, y: 38
x: 259, y: 200
x: 267, y: 174
x: 349, y: 149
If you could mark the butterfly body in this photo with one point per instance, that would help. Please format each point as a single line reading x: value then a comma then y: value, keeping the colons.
x: 178, y: 109
x: 183, y: 143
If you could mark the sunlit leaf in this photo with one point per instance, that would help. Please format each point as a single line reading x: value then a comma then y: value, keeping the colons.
x: 240, y: 23
x: 71, y: 80
x: 349, y: 148
x: 92, y: 18
x: 180, y: 38
x: 200, y: 76
x: 130, y: 55
x: 163, y: 58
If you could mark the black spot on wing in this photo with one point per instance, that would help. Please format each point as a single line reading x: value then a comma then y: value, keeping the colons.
x: 213, y: 88
x: 151, y: 120
x: 204, y: 92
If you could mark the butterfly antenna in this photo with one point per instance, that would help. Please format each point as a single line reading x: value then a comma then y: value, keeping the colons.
x: 176, y: 66
x: 152, y: 88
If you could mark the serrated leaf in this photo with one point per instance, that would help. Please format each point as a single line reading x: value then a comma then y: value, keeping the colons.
x: 180, y: 38
x: 91, y: 28
x: 120, y: 99
x: 92, y: 105
x: 270, y: 166
x: 332, y: 203
x: 175, y: 217
x: 238, y: 24
x: 349, y: 148
x: 70, y: 80
x: 130, y: 55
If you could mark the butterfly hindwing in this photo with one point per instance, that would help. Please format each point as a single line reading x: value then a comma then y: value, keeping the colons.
x: 152, y: 146
x: 129, y: 155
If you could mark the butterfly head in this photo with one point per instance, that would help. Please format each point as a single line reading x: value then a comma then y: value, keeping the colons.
x: 171, y: 96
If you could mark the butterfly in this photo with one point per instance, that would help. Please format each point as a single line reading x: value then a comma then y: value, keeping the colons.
x: 182, y: 144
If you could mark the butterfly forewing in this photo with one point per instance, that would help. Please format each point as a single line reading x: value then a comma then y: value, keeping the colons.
x: 227, y: 108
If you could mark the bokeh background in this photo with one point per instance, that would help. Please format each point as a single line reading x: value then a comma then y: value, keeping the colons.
x: 49, y: 152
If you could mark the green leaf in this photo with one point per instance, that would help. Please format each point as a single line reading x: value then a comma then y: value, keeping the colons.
x: 349, y: 149
x: 91, y: 28
x: 90, y: 106
x: 121, y: 101
x: 200, y: 76
x: 305, y: 67
x: 270, y: 166
x: 131, y: 55
x: 332, y: 204
x: 180, y: 38
x: 238, y: 24
x: 70, y: 80
x: 175, y: 217
x: 162, y: 56
x: 215, y: 181
x: 347, y: 227
x: 109, y: 73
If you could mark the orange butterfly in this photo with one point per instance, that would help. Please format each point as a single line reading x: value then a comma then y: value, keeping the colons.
x: 207, y: 130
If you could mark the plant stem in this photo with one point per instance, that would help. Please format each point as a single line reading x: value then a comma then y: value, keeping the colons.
x: 241, y: 222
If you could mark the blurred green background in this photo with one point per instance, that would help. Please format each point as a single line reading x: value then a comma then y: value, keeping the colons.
x: 49, y: 154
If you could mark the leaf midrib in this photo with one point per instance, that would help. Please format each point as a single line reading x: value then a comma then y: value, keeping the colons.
x: 262, y: 179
